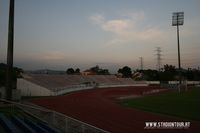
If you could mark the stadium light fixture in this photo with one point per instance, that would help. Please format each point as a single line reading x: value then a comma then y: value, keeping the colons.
x: 178, y: 19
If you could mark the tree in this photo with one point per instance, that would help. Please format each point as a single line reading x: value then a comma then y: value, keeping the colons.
x: 169, y: 68
x: 150, y: 75
x: 125, y: 71
x: 120, y: 71
x: 77, y: 71
x: 70, y: 71
x: 169, y: 73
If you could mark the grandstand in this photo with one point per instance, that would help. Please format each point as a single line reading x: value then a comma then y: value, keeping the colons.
x: 51, y: 85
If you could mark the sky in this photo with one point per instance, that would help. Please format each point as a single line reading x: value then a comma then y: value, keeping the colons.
x: 58, y: 34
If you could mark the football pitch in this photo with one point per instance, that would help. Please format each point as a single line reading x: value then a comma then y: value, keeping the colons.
x: 185, y: 105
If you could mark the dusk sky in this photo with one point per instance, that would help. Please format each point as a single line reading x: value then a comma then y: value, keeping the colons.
x: 58, y: 34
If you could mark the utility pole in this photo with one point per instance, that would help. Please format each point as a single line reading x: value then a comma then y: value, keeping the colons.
x: 9, y: 70
x: 141, y: 63
x: 158, y: 53
x: 178, y: 19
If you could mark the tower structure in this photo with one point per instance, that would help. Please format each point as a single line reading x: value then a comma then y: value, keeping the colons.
x: 141, y: 63
x: 158, y: 54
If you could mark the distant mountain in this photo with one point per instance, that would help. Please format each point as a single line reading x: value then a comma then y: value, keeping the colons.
x: 46, y: 71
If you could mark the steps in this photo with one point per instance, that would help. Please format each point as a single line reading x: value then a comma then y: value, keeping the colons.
x: 25, y: 127
x: 8, y: 125
x: 16, y: 124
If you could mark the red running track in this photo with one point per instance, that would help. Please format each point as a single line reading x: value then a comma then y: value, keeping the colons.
x: 98, y: 107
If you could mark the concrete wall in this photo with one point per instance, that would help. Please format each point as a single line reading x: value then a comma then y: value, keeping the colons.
x: 72, y: 89
x: 153, y: 82
x: 128, y: 85
x: 29, y: 89
x: 175, y: 82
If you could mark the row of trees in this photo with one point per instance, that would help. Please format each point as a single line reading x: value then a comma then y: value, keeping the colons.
x: 72, y: 71
x: 126, y: 72
x: 96, y: 70
x: 168, y: 72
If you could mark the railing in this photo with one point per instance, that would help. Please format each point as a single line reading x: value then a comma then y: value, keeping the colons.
x: 64, y: 123
x: 64, y: 90
x: 169, y: 86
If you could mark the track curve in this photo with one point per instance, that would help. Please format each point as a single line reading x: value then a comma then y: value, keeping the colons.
x: 98, y: 107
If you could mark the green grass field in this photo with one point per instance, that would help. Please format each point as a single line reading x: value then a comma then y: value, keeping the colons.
x: 185, y: 105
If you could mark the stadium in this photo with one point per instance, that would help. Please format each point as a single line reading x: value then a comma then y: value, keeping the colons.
x: 94, y: 103
x: 139, y: 82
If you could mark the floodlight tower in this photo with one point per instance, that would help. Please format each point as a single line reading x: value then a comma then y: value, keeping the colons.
x: 9, y: 83
x: 178, y: 19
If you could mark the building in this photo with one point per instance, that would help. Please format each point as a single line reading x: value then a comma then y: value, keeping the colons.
x: 88, y: 72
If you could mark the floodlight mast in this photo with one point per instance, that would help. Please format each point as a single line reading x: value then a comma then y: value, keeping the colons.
x: 177, y: 19
x: 9, y: 70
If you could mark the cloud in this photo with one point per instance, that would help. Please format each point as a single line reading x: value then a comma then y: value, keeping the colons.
x: 136, y: 16
x: 97, y: 19
x: 53, y: 55
x: 128, y: 29
x: 117, y: 26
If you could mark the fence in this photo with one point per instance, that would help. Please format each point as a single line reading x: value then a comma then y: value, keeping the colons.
x: 169, y: 86
x: 64, y: 90
x: 64, y: 123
